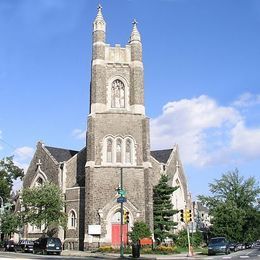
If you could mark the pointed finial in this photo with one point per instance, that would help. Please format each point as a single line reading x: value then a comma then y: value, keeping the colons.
x: 135, y: 35
x: 99, y: 14
x: 99, y: 23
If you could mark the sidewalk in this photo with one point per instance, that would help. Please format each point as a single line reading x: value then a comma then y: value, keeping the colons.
x: 99, y: 255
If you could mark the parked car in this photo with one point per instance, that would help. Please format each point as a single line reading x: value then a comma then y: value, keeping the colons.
x: 248, y: 245
x: 26, y: 246
x: 9, y: 245
x: 218, y: 245
x: 47, y: 245
x: 240, y: 246
x: 233, y: 246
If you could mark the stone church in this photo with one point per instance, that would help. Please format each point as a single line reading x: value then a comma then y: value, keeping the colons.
x: 118, y: 137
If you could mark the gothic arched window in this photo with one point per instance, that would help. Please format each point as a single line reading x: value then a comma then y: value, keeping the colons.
x: 128, y: 151
x: 109, y: 150
x: 117, y: 94
x: 39, y: 182
x: 118, y: 151
x: 72, y: 219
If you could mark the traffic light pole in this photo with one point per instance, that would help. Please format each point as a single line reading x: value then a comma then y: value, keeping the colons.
x: 122, y: 214
x: 188, y: 236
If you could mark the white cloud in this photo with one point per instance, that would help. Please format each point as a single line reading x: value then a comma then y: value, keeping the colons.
x: 24, y: 153
x: 23, y: 156
x: 246, y: 141
x: 206, y: 132
x: 247, y: 99
x: 79, y: 134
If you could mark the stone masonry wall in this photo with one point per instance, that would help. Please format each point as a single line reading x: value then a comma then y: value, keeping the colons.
x: 48, y: 166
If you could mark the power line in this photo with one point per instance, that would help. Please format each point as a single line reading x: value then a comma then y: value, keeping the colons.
x: 13, y: 147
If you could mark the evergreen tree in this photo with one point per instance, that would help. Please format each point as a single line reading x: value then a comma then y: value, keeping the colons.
x: 163, y: 209
x: 140, y: 230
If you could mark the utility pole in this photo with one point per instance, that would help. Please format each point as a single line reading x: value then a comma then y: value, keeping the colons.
x: 187, y: 219
x: 122, y: 214
x: 121, y: 200
x: 1, y: 212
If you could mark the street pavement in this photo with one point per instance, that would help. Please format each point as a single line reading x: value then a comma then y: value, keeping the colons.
x: 250, y: 254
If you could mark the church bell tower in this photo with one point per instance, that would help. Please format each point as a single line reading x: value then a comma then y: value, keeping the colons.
x: 117, y: 136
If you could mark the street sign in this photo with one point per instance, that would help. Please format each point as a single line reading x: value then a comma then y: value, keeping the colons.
x: 121, y: 199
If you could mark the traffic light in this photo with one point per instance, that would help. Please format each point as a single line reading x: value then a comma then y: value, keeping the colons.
x: 182, y: 215
x: 189, y: 216
x: 126, y: 217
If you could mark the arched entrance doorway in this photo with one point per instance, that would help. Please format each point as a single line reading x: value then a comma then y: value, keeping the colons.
x: 115, y: 227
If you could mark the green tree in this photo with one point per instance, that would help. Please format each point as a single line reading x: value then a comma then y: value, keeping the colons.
x: 181, y: 239
x: 44, y: 206
x: 140, y: 230
x: 8, y: 173
x: 233, y: 207
x: 10, y: 222
x: 163, y: 209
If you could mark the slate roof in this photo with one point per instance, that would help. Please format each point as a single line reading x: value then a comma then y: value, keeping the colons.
x: 61, y: 154
x: 201, y: 207
x: 161, y: 156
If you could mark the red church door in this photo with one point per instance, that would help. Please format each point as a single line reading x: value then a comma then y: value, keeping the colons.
x: 116, y: 234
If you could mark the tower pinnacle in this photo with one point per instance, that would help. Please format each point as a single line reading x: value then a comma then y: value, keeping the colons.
x: 135, y: 35
x: 99, y: 23
x: 99, y: 14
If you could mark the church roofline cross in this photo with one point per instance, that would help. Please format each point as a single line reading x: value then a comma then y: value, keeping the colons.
x: 177, y: 164
x: 39, y: 163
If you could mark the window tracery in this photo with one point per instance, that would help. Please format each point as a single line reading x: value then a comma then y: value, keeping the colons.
x: 72, y: 219
x: 128, y: 153
x: 118, y: 150
x: 109, y: 150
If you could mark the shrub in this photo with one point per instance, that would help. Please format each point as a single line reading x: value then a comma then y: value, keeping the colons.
x: 165, y: 249
x: 140, y: 230
x: 107, y: 249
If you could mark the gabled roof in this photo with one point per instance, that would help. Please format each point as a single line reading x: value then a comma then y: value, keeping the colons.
x: 61, y: 154
x: 161, y: 156
x: 201, y: 207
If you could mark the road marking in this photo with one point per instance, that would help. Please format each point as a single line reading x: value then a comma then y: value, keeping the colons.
x: 244, y: 256
x: 4, y: 258
x: 226, y: 257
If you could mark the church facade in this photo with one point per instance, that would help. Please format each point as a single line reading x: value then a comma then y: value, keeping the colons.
x: 117, y: 139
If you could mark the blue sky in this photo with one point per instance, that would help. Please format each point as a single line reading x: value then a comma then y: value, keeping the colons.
x: 202, y: 80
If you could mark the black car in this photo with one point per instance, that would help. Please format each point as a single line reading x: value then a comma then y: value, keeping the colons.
x: 26, y: 246
x: 47, y: 245
x: 9, y: 245
x: 233, y: 246
x: 218, y: 245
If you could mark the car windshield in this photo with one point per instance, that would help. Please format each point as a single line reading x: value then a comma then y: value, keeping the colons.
x: 217, y: 240
x: 54, y: 240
